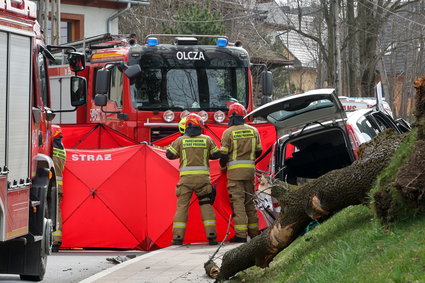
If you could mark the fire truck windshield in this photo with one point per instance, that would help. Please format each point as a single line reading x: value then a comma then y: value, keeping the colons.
x: 189, y: 88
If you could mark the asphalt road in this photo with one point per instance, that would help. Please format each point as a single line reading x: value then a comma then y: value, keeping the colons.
x: 73, y: 266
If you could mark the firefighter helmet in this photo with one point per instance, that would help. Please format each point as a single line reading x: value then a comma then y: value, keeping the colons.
x: 237, y: 109
x: 182, y: 125
x: 56, y: 131
x: 194, y: 120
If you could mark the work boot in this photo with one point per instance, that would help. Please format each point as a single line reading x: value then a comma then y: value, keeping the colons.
x: 212, y: 242
x: 57, y: 240
x: 177, y: 242
x: 237, y: 239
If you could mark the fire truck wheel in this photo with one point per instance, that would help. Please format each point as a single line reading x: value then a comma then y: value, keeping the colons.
x: 37, y: 252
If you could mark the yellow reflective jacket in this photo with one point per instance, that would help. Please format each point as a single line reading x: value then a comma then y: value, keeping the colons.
x: 240, y: 143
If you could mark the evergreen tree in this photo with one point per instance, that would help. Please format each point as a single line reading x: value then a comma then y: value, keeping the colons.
x: 197, y: 18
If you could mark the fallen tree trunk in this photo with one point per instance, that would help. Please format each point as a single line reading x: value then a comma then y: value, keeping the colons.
x: 318, y: 198
x: 403, y: 194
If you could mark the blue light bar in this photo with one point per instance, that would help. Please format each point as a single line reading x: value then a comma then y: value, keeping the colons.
x: 221, y: 42
x: 152, y: 41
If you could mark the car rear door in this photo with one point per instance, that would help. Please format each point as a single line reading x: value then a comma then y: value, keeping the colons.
x: 296, y: 112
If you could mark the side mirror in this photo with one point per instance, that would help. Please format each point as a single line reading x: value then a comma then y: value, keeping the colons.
x: 78, y: 91
x: 100, y: 100
x: 133, y: 71
x: 267, y: 82
x: 46, y: 53
x: 76, y: 61
x: 103, y: 81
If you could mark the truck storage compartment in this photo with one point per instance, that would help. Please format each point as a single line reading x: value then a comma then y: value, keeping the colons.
x: 315, y: 154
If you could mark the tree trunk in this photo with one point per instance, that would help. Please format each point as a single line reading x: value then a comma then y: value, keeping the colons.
x: 318, y: 198
x: 404, y: 194
x: 352, y: 90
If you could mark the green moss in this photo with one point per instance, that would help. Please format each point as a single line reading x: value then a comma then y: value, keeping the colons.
x: 398, y: 159
x: 400, y: 208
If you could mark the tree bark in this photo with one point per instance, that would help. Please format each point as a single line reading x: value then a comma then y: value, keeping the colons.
x: 318, y: 198
x: 404, y: 194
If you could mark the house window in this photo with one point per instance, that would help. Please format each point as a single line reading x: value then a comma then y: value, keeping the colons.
x: 72, y: 28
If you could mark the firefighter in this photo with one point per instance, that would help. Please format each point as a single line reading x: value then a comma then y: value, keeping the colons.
x: 194, y: 150
x: 240, y: 146
x: 59, y: 157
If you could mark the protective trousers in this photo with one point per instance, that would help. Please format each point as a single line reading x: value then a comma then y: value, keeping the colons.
x: 59, y: 164
x: 245, y: 219
x: 184, y: 194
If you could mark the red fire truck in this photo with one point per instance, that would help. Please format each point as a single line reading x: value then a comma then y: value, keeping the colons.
x: 144, y: 90
x: 28, y: 190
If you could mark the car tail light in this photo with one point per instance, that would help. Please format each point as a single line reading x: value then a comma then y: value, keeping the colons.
x: 353, y: 139
x: 168, y: 116
x: 219, y: 116
x: 204, y: 115
x: 289, y: 150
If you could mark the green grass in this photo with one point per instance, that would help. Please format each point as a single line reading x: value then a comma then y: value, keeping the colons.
x: 350, y: 247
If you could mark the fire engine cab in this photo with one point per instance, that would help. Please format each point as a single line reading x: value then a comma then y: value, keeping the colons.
x: 144, y: 90
x: 28, y: 190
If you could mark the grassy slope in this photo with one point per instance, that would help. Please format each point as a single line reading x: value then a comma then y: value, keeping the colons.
x: 350, y: 247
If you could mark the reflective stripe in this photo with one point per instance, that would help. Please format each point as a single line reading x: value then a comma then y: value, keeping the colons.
x: 200, y: 172
x: 253, y: 225
x: 253, y: 145
x: 214, y: 150
x: 235, y: 150
x: 57, y: 233
x: 60, y: 153
x: 184, y: 158
x: 179, y: 224
x: 59, y: 182
x: 224, y: 150
x: 194, y: 168
x: 241, y: 164
x: 209, y: 223
x: 59, y: 178
x: 242, y: 227
x: 173, y: 150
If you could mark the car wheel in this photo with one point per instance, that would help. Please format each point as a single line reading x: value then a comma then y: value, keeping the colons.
x: 37, y: 252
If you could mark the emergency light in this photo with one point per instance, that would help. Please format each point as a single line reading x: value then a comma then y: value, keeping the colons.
x: 219, y: 116
x: 221, y: 42
x: 152, y: 41
x: 168, y: 116
x: 204, y: 115
x: 184, y: 114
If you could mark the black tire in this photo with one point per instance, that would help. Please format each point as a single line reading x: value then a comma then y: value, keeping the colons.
x: 37, y: 252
